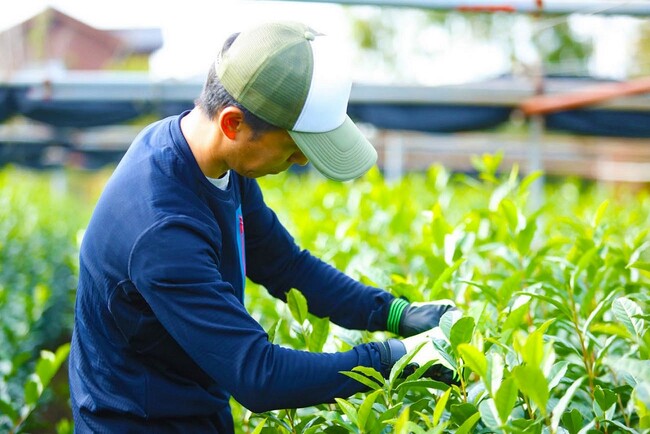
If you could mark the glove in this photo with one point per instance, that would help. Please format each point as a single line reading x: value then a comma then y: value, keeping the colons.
x: 393, y: 350
x: 408, y: 319
x: 426, y: 352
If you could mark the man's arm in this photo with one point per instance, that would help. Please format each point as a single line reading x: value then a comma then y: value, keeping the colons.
x: 174, y: 268
x: 274, y: 260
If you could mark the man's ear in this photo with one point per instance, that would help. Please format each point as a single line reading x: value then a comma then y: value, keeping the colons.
x: 230, y: 121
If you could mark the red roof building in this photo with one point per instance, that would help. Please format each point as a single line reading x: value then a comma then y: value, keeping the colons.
x: 53, y: 38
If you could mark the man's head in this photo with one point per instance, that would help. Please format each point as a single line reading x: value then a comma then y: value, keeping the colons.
x: 290, y: 77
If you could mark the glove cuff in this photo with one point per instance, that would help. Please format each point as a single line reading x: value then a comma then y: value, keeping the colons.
x: 395, y: 311
x: 390, y: 352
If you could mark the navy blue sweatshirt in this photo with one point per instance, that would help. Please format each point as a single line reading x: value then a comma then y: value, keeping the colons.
x: 162, y: 339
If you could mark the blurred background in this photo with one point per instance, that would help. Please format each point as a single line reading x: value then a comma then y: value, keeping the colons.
x: 433, y: 83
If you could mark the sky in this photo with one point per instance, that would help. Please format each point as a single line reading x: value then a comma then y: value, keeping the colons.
x: 194, y: 29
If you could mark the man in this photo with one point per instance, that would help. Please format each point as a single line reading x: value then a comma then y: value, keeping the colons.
x: 162, y: 338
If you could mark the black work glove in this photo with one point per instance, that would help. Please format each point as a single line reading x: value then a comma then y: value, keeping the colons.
x: 408, y: 319
x: 394, y: 349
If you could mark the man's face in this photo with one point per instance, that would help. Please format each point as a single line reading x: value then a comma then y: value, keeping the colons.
x: 267, y: 154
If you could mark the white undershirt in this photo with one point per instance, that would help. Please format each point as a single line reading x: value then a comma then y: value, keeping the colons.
x: 220, y: 183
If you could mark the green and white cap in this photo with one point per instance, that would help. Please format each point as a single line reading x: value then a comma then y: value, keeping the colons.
x: 292, y: 77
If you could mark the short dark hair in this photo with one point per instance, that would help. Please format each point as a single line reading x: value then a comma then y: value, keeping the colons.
x: 214, y: 97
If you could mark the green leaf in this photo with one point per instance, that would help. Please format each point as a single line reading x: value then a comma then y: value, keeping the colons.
x: 444, y: 277
x: 533, y: 350
x: 625, y: 311
x: 467, y: 426
x: 640, y: 265
x: 399, y: 366
x: 572, y: 421
x: 440, y: 406
x: 600, y: 212
x: 473, y: 358
x: 532, y: 383
x: 558, y: 412
x: 461, y: 332
x: 422, y: 383
x: 49, y: 363
x: 365, y: 409
x: 558, y: 304
x: 489, y: 414
x: 373, y: 385
x: 370, y: 372
x: 583, y: 263
x: 258, y: 428
x: 639, y: 369
x: 401, y: 424
x: 461, y: 412
x: 297, y: 305
x: 33, y: 390
x: 495, y: 370
x: 7, y: 409
x: 509, y: 209
x: 348, y: 409
x: 529, y: 179
x: 505, y: 398
x: 274, y: 329
x: 319, y: 333
x: 517, y: 313
x: 605, y: 398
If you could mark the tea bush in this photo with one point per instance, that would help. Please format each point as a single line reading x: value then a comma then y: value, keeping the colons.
x: 553, y: 338
x: 39, y: 223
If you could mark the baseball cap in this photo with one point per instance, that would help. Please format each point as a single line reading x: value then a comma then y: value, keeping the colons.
x: 292, y: 77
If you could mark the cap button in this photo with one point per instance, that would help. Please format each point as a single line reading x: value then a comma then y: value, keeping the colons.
x: 309, y: 36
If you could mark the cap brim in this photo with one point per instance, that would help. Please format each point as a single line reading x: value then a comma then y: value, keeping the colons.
x: 341, y: 154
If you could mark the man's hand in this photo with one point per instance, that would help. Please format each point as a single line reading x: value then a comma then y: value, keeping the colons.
x: 425, y: 351
x: 422, y: 344
x: 409, y: 319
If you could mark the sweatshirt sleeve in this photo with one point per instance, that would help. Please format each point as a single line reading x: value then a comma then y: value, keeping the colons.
x: 174, y: 267
x: 274, y: 260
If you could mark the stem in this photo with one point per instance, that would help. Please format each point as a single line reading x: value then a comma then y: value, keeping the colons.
x: 587, y: 357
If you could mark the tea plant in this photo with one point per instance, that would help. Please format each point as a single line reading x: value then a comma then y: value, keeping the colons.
x: 38, y: 253
x: 554, y: 336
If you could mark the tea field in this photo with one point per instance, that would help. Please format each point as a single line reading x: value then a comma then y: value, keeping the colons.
x: 554, y: 336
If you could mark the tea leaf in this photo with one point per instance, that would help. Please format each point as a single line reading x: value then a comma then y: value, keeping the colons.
x: 273, y: 330
x: 370, y: 372
x: 494, y: 372
x: 33, y: 389
x: 461, y: 332
x: 319, y: 333
x: 297, y: 305
x: 640, y: 265
x: 625, y: 311
x: 444, y: 277
x: 467, y: 426
x: 348, y: 409
x: 532, y: 383
x: 505, y: 398
x: 440, y: 406
x: 7, y: 409
x: 259, y: 427
x: 558, y: 412
x: 489, y: 414
x: 605, y: 398
x: 572, y: 421
x: 365, y: 409
x: 474, y: 359
x: 600, y: 212
x: 373, y: 385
